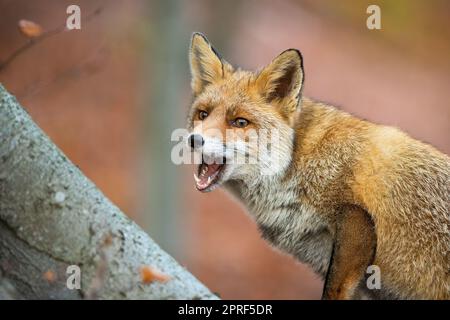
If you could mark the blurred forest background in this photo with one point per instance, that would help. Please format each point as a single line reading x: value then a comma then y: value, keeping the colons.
x: 110, y: 94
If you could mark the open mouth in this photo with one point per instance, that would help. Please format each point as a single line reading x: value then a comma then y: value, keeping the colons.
x: 208, y: 175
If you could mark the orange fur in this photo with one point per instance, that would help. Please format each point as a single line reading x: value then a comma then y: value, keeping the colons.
x: 336, y: 160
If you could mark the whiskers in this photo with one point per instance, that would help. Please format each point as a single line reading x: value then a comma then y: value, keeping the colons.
x: 267, y: 153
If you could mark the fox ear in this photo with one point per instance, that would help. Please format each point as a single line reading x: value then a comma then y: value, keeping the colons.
x: 206, y: 64
x: 282, y: 78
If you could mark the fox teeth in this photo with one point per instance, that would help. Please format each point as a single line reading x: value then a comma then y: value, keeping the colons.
x: 209, y: 179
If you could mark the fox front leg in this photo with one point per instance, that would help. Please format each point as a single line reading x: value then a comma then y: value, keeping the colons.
x: 353, y: 251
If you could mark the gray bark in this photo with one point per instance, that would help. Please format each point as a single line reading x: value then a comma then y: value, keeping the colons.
x: 52, y: 216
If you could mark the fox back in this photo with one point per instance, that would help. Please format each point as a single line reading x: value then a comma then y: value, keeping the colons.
x: 316, y: 162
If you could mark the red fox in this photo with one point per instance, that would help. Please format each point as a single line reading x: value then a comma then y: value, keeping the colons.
x: 344, y: 193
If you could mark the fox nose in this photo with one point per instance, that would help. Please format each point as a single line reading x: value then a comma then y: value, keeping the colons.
x: 195, y: 141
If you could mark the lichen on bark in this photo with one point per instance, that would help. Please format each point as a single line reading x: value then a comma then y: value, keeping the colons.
x: 52, y: 216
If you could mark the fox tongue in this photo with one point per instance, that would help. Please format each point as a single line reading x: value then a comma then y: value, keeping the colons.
x: 206, y: 175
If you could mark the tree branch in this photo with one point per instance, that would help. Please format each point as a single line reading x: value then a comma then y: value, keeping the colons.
x: 47, y: 34
x: 52, y: 216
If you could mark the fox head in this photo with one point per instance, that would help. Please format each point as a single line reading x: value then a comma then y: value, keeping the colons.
x: 241, y: 122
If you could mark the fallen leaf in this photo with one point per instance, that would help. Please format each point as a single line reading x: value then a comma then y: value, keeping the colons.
x: 107, y: 240
x: 150, y: 274
x: 50, y: 276
x: 30, y: 29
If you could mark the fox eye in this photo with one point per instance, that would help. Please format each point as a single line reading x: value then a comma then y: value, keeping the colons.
x: 202, y: 114
x: 240, y: 122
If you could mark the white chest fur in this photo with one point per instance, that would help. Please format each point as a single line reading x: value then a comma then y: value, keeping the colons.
x: 286, y: 222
